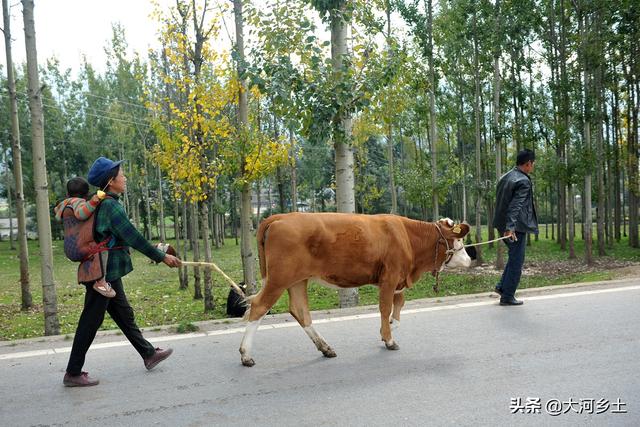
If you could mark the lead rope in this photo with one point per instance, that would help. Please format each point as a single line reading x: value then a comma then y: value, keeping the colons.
x: 236, y: 288
x: 490, y: 241
x: 436, y: 272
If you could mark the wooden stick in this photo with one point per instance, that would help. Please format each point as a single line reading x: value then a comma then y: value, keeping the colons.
x: 216, y: 268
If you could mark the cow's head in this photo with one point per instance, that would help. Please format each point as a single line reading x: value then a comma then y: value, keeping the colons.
x: 454, y: 234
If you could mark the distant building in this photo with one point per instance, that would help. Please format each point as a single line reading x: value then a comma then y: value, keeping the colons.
x: 5, y: 228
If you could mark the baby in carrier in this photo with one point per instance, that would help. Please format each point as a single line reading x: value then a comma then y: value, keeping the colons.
x: 83, y: 209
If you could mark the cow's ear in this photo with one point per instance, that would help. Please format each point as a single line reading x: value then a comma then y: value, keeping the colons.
x: 460, y: 230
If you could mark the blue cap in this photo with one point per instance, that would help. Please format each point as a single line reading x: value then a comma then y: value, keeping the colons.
x: 100, y: 170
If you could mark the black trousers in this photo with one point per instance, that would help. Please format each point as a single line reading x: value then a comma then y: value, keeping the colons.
x: 95, y: 305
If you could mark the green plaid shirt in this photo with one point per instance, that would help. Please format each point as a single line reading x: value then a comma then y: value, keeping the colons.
x: 113, y: 221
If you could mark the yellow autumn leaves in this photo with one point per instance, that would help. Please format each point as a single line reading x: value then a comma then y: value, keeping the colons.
x: 195, y: 123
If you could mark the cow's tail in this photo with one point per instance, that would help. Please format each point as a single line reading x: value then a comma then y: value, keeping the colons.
x: 261, y: 237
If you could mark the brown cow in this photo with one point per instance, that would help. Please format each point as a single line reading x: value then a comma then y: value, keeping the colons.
x: 347, y: 250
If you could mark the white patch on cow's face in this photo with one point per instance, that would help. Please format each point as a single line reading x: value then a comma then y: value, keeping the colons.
x: 460, y: 258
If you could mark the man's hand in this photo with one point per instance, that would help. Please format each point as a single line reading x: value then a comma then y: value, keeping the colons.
x: 510, y: 234
x: 172, y: 261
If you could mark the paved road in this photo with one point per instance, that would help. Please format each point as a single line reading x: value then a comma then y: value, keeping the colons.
x: 462, y: 361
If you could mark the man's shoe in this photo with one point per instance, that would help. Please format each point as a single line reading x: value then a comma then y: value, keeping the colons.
x: 498, y: 290
x: 510, y: 301
x: 82, y: 380
x: 158, y: 356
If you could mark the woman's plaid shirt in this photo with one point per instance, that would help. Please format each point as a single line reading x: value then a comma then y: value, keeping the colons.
x: 113, y: 221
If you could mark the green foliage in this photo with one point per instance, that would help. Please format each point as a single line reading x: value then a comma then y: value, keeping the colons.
x: 186, y: 327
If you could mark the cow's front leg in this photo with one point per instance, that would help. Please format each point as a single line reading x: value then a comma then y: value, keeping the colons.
x: 386, y: 304
x: 398, y: 303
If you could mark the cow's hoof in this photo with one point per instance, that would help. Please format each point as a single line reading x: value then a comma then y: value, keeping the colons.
x: 248, y: 362
x: 392, y: 345
x: 329, y: 353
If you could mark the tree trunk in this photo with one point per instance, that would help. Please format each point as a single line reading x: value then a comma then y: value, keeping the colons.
x: 617, y: 190
x: 259, y: 200
x: 218, y: 239
x: 246, y: 237
x: 208, y: 280
x: 600, y: 163
x: 280, y: 184
x: 176, y: 234
x: 9, y: 206
x: 184, y: 278
x: 476, y: 111
x: 497, y: 132
x: 632, y: 149
x: 147, y: 202
x: 195, y: 247
x: 50, y: 304
x: 588, y: 221
x: 345, y: 192
x: 246, y: 240
x: 163, y: 233
x: 294, y: 175
x: 392, y: 183
x: 433, y: 125
x: 16, y: 155
x: 564, y: 144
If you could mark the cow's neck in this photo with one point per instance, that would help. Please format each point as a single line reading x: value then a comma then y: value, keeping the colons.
x: 424, y: 238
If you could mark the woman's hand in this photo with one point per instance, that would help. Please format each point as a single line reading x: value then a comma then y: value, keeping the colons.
x: 172, y: 261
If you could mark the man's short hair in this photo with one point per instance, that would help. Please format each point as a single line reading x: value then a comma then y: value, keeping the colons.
x: 78, y: 187
x: 524, y: 156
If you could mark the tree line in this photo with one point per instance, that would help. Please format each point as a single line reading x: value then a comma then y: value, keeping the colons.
x: 413, y: 107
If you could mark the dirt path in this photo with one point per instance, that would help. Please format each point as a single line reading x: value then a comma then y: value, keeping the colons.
x: 620, y: 269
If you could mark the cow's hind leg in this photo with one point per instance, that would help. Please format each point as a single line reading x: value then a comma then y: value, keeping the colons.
x: 299, y: 309
x: 259, y: 306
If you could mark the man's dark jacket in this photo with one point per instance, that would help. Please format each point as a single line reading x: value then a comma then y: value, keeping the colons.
x: 514, y: 203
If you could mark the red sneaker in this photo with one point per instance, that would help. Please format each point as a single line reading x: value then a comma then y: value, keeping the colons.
x: 82, y: 380
x: 158, y: 356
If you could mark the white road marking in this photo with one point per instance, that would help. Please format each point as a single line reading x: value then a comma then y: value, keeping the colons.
x: 169, y: 338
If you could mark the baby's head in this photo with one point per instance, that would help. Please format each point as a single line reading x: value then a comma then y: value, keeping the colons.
x: 78, y: 187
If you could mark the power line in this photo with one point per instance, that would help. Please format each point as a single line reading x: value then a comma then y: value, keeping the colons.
x: 87, y: 113
x: 116, y: 100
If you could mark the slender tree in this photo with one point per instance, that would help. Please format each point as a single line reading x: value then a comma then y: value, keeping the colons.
x: 433, y: 125
x: 16, y: 155
x: 497, y: 132
x: 51, y: 324
x: 246, y: 237
x: 345, y: 194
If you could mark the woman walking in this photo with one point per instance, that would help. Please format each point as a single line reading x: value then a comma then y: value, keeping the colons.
x: 112, y: 223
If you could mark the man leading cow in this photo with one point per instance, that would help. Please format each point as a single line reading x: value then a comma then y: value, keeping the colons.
x: 515, y: 217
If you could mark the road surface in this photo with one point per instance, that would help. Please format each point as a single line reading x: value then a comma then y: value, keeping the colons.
x: 567, y: 354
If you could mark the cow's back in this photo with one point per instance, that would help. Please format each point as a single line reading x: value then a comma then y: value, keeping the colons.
x: 343, y: 249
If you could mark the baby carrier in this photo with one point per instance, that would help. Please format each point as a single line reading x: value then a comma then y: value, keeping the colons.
x: 80, y: 245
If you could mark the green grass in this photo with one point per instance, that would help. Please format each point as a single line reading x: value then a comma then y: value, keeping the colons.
x: 154, y: 295
x: 186, y: 327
